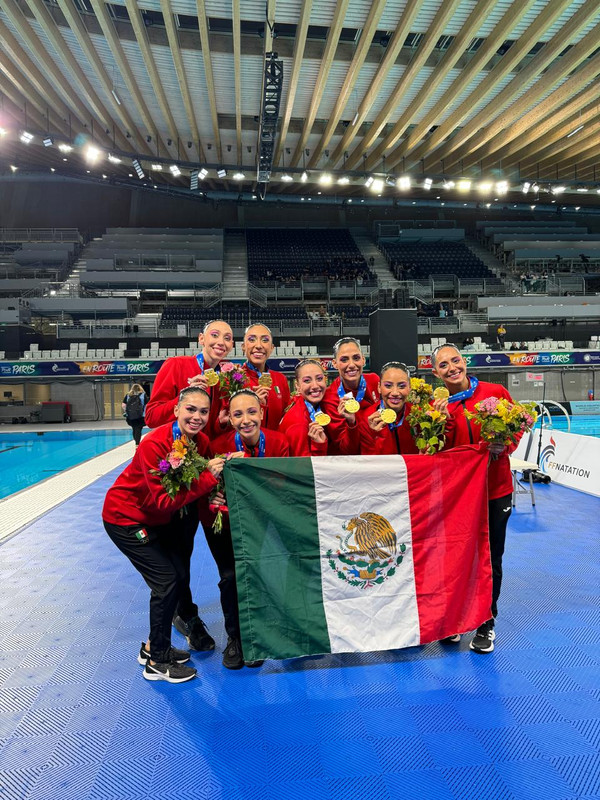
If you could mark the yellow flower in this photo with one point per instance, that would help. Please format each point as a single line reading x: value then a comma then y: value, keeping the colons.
x: 180, y: 447
x: 435, y: 415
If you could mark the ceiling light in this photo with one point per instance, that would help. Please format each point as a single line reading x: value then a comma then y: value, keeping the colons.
x: 349, y: 199
x: 403, y: 183
x: 326, y: 179
x: 377, y: 185
x: 369, y: 181
x: 304, y: 177
x: 3, y: 131
x: 65, y: 148
x: 344, y: 180
x: 222, y: 173
x: 535, y: 187
x: 138, y: 168
x: 13, y: 168
x: 501, y: 187
x: 239, y: 176
x: 526, y: 187
x: 26, y: 137
x: 116, y: 96
x: 574, y: 131
x: 113, y: 159
x: 485, y: 186
x: 558, y: 189
x: 92, y: 154
x: 202, y: 173
x: 286, y: 178
x: 463, y: 185
x: 449, y: 184
x: 175, y: 171
x: 156, y: 167
x: 427, y: 183
x: 582, y: 188
x: 577, y: 208
x: 390, y: 180
x: 47, y: 141
x: 532, y: 208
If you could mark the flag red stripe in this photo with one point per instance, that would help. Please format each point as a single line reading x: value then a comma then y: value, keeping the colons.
x: 449, y: 520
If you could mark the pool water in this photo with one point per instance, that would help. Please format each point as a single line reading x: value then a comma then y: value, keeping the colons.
x: 585, y: 424
x: 26, y: 458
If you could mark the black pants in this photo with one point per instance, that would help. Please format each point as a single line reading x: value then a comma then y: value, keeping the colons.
x: 164, y: 563
x: 221, y: 549
x: 499, y: 511
x: 136, y: 426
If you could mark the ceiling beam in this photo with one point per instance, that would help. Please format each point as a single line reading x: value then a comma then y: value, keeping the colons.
x: 548, y: 63
x: 208, y: 74
x: 236, y: 23
x: 116, y: 48
x: 410, y: 74
x: 118, y: 109
x: 64, y: 86
x: 25, y: 111
x: 364, y: 43
x: 299, y: 44
x: 332, y: 42
x: 512, y: 16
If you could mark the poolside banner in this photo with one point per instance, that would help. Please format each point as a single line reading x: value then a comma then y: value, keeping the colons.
x: 568, y: 458
x: 360, y: 553
x: 520, y: 359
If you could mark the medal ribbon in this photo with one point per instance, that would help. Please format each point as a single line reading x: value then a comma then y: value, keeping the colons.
x: 312, y: 411
x: 261, y: 444
x: 248, y: 365
x: 176, y: 431
x: 457, y: 398
x: 362, y: 388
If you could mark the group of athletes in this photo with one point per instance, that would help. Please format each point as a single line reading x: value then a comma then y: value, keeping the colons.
x: 358, y: 413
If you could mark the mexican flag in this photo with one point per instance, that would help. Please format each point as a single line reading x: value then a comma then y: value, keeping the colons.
x: 359, y: 553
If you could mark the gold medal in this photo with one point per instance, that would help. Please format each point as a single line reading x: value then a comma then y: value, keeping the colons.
x: 265, y: 380
x: 441, y: 393
x: 352, y: 406
x: 388, y: 415
x: 322, y: 419
x: 211, y: 377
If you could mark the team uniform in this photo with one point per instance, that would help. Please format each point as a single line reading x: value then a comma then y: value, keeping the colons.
x: 500, y: 485
x: 278, y: 399
x: 294, y: 425
x: 145, y: 524
x: 391, y: 440
x: 340, y: 442
x: 172, y: 377
x: 272, y: 444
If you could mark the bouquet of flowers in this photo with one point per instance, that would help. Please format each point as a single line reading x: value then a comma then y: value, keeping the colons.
x: 231, y: 379
x: 181, y: 466
x: 502, y: 421
x: 217, y: 525
x: 427, y: 425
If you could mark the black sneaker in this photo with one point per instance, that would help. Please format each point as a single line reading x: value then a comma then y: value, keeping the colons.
x: 170, y: 672
x: 483, y: 641
x: 454, y: 639
x: 194, y: 630
x: 232, y: 655
x: 175, y: 655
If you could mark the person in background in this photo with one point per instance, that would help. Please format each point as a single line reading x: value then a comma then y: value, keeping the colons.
x: 145, y: 524
x: 349, y: 361
x: 133, y: 407
x: 179, y: 372
x: 270, y: 386
x: 501, y: 335
x: 465, y: 391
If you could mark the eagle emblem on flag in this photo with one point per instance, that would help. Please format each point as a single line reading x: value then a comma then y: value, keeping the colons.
x: 369, y: 553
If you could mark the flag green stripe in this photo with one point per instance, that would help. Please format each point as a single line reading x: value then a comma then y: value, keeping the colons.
x: 273, y: 518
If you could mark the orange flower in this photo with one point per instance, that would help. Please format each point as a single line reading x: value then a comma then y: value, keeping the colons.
x: 180, y: 447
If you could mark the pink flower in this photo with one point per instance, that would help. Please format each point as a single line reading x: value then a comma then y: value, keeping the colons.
x: 174, y: 461
x: 227, y: 366
x: 489, y: 405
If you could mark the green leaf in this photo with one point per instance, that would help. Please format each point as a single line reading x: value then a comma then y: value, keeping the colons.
x: 421, y: 443
x: 433, y: 440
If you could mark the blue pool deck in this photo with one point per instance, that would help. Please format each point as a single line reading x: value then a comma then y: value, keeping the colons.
x: 78, y: 721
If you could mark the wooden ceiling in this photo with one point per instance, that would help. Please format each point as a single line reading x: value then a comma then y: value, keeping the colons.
x: 483, y: 89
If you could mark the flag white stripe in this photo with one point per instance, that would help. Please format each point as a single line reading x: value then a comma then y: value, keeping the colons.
x: 379, y: 616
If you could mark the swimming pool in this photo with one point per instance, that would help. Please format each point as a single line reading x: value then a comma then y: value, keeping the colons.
x: 586, y: 424
x: 26, y: 458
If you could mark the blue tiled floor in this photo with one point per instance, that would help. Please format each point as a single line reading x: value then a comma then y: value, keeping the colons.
x: 78, y: 722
